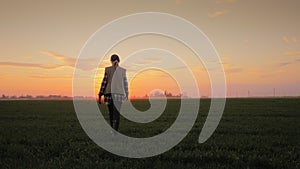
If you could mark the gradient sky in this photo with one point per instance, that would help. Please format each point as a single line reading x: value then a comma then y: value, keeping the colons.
x: 258, y: 42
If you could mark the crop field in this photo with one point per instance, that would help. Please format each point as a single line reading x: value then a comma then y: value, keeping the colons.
x: 253, y: 133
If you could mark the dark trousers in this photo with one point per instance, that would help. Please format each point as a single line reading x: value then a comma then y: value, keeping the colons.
x: 114, y: 114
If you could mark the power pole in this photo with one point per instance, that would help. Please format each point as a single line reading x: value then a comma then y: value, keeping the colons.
x: 274, y: 94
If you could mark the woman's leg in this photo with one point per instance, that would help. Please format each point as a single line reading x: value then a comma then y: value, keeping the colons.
x: 108, y: 100
x: 111, y: 113
x: 116, y: 114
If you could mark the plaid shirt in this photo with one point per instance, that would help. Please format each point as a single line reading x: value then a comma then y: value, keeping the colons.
x: 109, y: 98
x: 115, y: 96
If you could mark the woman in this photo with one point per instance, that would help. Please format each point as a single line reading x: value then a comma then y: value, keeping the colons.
x: 114, y: 87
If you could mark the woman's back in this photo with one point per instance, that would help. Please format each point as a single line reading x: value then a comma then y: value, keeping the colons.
x: 115, y: 80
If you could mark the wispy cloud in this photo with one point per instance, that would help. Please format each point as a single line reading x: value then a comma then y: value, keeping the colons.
x: 221, y: 12
x: 141, y: 63
x: 230, y: 68
x: 233, y: 70
x: 31, y: 65
x: 286, y: 63
x: 85, y: 64
x: 40, y: 75
x: 153, y: 59
x: 179, y: 68
x: 292, y: 53
x: 63, y: 61
x: 62, y: 58
x: 295, y: 40
x: 227, y: 65
x: 47, y: 76
x: 287, y: 39
x: 216, y: 13
x: 147, y: 60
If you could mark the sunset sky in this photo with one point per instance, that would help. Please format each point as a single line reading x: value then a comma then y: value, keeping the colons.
x: 257, y: 41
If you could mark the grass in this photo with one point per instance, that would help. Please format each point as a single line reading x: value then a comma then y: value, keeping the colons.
x: 253, y: 133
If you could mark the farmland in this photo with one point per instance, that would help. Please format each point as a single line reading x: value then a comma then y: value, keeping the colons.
x: 253, y: 133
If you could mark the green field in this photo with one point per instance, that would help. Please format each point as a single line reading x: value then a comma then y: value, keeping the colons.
x: 253, y: 133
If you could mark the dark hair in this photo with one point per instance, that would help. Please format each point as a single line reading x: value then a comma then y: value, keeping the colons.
x: 115, y: 59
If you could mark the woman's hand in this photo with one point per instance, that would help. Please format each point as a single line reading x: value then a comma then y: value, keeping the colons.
x: 99, y: 98
x: 125, y: 98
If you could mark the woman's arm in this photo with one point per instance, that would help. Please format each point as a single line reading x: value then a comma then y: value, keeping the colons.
x: 103, y: 84
x: 125, y: 84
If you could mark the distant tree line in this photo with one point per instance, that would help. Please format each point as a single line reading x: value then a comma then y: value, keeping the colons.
x: 39, y: 97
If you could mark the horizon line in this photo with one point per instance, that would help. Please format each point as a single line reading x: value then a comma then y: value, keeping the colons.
x: 143, y: 98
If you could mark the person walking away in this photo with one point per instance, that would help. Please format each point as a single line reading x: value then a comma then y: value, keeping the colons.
x: 114, y: 87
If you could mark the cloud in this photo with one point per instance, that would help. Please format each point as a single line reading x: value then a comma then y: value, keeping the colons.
x: 141, y: 62
x: 288, y: 62
x: 287, y: 39
x: 147, y: 60
x: 228, y: 67
x: 31, y: 65
x: 65, y: 62
x: 56, y: 76
x: 233, y: 70
x: 268, y: 74
x: 85, y: 64
x: 65, y: 59
x: 221, y: 12
x: 47, y: 76
x: 153, y: 59
x: 284, y: 64
x: 292, y: 53
x: 179, y: 68
x: 216, y: 13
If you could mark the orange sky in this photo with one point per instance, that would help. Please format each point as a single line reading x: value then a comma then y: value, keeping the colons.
x: 147, y: 81
x: 258, y: 42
